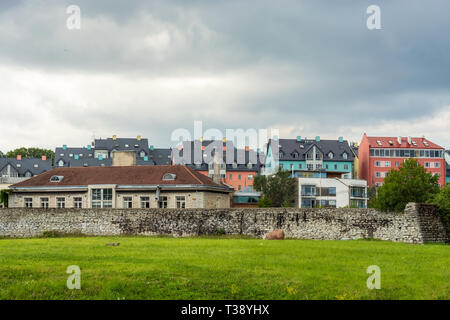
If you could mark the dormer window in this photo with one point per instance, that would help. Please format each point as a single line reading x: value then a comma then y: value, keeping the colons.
x: 330, y: 155
x: 169, y: 177
x: 249, y: 165
x: 281, y: 154
x: 234, y: 165
x: 60, y: 163
x: 36, y: 165
x: 345, y: 155
x: 295, y: 155
x: 19, y: 165
x: 142, y: 154
x: 56, y: 179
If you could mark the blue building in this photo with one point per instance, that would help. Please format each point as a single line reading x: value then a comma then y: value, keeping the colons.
x: 310, y: 158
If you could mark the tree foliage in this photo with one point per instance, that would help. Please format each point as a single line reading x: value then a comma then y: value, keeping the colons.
x: 442, y: 200
x: 278, y: 190
x: 410, y: 183
x: 31, y: 153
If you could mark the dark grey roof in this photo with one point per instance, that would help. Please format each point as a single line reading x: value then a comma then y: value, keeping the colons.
x: 122, y: 144
x: 87, y: 162
x: 68, y: 155
x: 239, y: 162
x: 161, y: 156
x: 289, y: 146
x: 447, y: 163
x: 34, y: 166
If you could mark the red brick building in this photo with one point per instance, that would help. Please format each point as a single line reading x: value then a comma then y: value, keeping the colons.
x: 378, y: 155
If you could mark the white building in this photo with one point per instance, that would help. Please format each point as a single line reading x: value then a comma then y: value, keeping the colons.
x: 332, y: 192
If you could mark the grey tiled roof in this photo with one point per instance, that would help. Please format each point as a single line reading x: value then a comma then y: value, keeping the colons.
x: 289, y: 146
x: 122, y: 144
x: 33, y: 165
x: 240, y: 156
x: 161, y: 156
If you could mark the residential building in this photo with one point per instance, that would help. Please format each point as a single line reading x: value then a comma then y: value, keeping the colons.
x: 120, y: 187
x: 447, y: 161
x: 246, y: 198
x: 379, y: 155
x: 237, y: 169
x: 100, y: 153
x: 14, y: 170
x: 310, y: 158
x: 332, y: 192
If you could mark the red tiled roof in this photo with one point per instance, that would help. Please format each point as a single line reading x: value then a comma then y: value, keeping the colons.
x: 385, y: 143
x: 136, y: 175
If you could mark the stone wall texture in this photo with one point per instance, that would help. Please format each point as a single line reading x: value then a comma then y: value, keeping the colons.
x: 418, y: 224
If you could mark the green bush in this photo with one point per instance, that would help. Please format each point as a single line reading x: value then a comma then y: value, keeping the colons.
x: 442, y: 200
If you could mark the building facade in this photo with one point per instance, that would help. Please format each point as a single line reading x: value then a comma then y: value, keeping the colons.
x: 120, y: 187
x: 310, y: 158
x: 238, y: 167
x: 447, y: 161
x: 332, y: 193
x: 379, y: 155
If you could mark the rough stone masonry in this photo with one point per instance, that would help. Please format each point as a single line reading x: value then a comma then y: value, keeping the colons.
x: 418, y: 224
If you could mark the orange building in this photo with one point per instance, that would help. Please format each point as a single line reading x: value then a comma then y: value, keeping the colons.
x: 379, y: 155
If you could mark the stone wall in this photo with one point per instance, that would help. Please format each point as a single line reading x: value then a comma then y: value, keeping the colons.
x: 418, y: 224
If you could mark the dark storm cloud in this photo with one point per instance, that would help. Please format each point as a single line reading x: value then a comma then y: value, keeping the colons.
x: 310, y: 65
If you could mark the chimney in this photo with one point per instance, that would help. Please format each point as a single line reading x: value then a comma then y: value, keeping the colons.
x: 299, y: 138
x: 123, y: 158
x: 217, y: 164
x: 114, y: 137
x: 44, y: 158
x: 139, y: 138
x: 318, y: 138
x: 341, y: 139
x: 19, y: 157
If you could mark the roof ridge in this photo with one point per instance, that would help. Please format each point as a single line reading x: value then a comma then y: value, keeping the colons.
x: 192, y: 174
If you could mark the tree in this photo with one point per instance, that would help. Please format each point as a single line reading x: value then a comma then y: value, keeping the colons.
x: 31, y: 153
x: 410, y: 183
x: 442, y: 200
x: 277, y: 190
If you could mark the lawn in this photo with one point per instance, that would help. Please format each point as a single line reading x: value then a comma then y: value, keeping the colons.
x: 220, y: 268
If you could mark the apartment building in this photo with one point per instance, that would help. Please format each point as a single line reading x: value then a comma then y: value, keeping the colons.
x: 310, y: 158
x: 379, y: 155
x: 447, y: 162
x: 332, y: 193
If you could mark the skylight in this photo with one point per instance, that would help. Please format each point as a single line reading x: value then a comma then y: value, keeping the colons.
x: 56, y: 179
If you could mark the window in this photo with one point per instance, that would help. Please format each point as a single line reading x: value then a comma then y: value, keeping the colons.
x: 44, y: 203
x: 181, y: 201
x: 310, y: 166
x: 169, y: 176
x: 61, y: 203
x: 78, y: 203
x: 28, y: 202
x: 377, y: 163
x: 239, y: 177
x: 231, y: 177
x: 128, y: 202
x: 162, y: 203
x: 345, y: 155
x: 396, y: 164
x: 318, y: 166
x: 332, y: 203
x: 250, y: 177
x: 332, y: 190
x: 56, y: 178
x: 378, y: 174
x: 101, y: 198
x: 142, y: 154
x: 145, y: 202
x: 249, y: 166
x: 345, y: 166
x: 239, y: 187
x: 335, y: 167
x: 387, y: 164
x: 427, y: 164
x: 234, y: 165
x: 330, y: 155
x: 60, y: 163
x: 437, y: 165
x: 308, y: 190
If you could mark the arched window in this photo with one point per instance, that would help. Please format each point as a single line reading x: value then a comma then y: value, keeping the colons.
x: 330, y: 155
x: 61, y: 163
x: 345, y: 155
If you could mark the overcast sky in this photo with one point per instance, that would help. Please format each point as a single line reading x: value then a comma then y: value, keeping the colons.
x: 149, y: 67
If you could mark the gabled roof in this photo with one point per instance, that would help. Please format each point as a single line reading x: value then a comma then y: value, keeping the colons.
x: 161, y: 156
x: 392, y: 142
x: 33, y: 165
x: 287, y: 146
x: 122, y: 144
x: 125, y: 176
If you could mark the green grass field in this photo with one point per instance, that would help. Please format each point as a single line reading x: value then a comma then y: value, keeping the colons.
x: 208, y: 268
